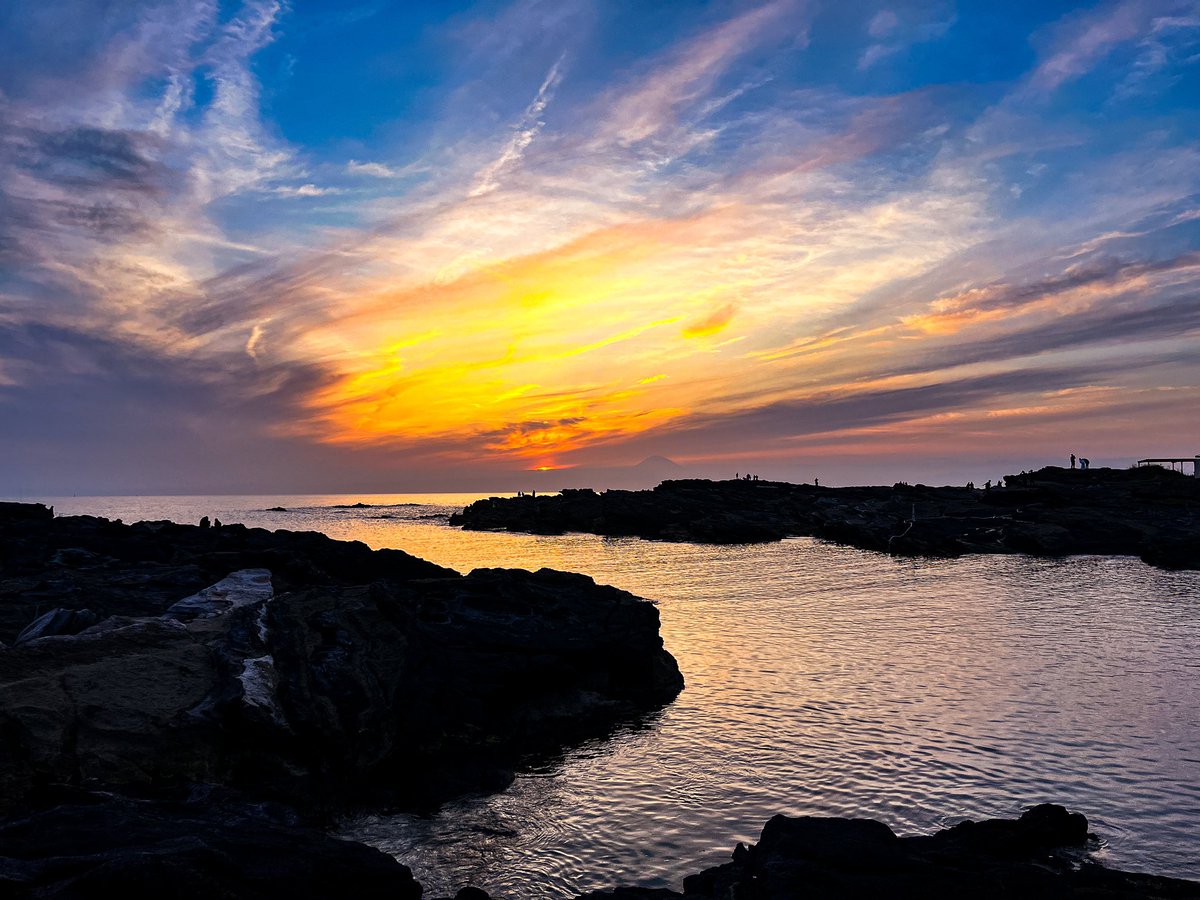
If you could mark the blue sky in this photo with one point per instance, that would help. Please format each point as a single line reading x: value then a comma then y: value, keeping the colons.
x: 267, y: 246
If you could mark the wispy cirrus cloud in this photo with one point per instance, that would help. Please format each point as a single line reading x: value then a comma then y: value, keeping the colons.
x: 1084, y: 39
x: 891, y: 35
x: 523, y: 134
x: 685, y: 248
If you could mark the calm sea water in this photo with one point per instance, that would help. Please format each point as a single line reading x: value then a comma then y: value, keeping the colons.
x: 820, y: 680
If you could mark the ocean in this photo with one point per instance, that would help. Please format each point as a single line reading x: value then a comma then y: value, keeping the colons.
x: 821, y: 680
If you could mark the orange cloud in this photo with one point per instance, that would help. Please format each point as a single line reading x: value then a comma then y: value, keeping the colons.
x: 712, y: 324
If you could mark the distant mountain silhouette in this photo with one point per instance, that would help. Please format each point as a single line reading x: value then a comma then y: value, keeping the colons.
x: 658, y: 463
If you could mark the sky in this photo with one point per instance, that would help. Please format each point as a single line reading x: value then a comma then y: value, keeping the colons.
x: 282, y: 247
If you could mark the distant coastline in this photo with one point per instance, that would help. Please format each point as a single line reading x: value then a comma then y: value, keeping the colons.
x: 1149, y: 512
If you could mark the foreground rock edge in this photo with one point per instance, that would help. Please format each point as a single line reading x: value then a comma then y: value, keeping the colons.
x: 216, y: 844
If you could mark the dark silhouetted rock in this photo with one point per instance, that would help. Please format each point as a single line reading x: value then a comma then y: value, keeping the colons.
x: 1040, y: 856
x: 33, y: 512
x: 1148, y: 512
x: 99, y: 845
x: 348, y: 676
x: 1173, y: 552
x: 57, y: 622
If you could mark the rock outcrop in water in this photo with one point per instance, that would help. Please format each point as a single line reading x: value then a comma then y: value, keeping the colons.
x: 296, y: 667
x: 1149, y: 512
x: 1037, y: 856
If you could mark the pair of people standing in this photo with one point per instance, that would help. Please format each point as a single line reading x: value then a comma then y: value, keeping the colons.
x: 1084, y: 462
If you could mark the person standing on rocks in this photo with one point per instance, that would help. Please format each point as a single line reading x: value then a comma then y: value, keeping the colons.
x: 1072, y: 460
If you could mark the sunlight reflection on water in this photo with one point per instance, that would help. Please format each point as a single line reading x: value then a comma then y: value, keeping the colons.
x: 820, y: 680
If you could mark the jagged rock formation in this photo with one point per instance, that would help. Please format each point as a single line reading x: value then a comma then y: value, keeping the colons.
x: 1149, y: 512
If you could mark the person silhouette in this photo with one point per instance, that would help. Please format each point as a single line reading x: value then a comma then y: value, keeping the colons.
x: 1072, y: 460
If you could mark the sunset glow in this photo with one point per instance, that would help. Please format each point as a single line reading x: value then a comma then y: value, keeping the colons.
x: 534, y: 235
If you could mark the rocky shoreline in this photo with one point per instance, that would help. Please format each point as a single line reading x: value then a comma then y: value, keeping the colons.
x: 153, y: 664
x: 1149, y: 512
x: 215, y: 844
x: 310, y: 670
x: 185, y: 709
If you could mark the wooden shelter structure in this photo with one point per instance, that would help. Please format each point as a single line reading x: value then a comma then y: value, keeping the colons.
x: 1174, y: 462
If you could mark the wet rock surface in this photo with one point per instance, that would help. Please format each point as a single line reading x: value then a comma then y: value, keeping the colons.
x: 1149, y: 512
x: 1039, y: 855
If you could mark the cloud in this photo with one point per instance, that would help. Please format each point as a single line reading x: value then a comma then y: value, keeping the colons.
x: 690, y: 72
x: 711, y: 324
x: 874, y: 53
x: 380, y: 170
x: 305, y: 190
x: 891, y: 36
x: 121, y: 153
x: 882, y: 23
x: 542, y: 292
x: 1171, y: 45
x: 1081, y: 41
x: 252, y: 342
x: 526, y: 130
x: 779, y: 427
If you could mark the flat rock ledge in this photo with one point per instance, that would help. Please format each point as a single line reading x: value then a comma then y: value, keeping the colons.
x: 1150, y: 512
